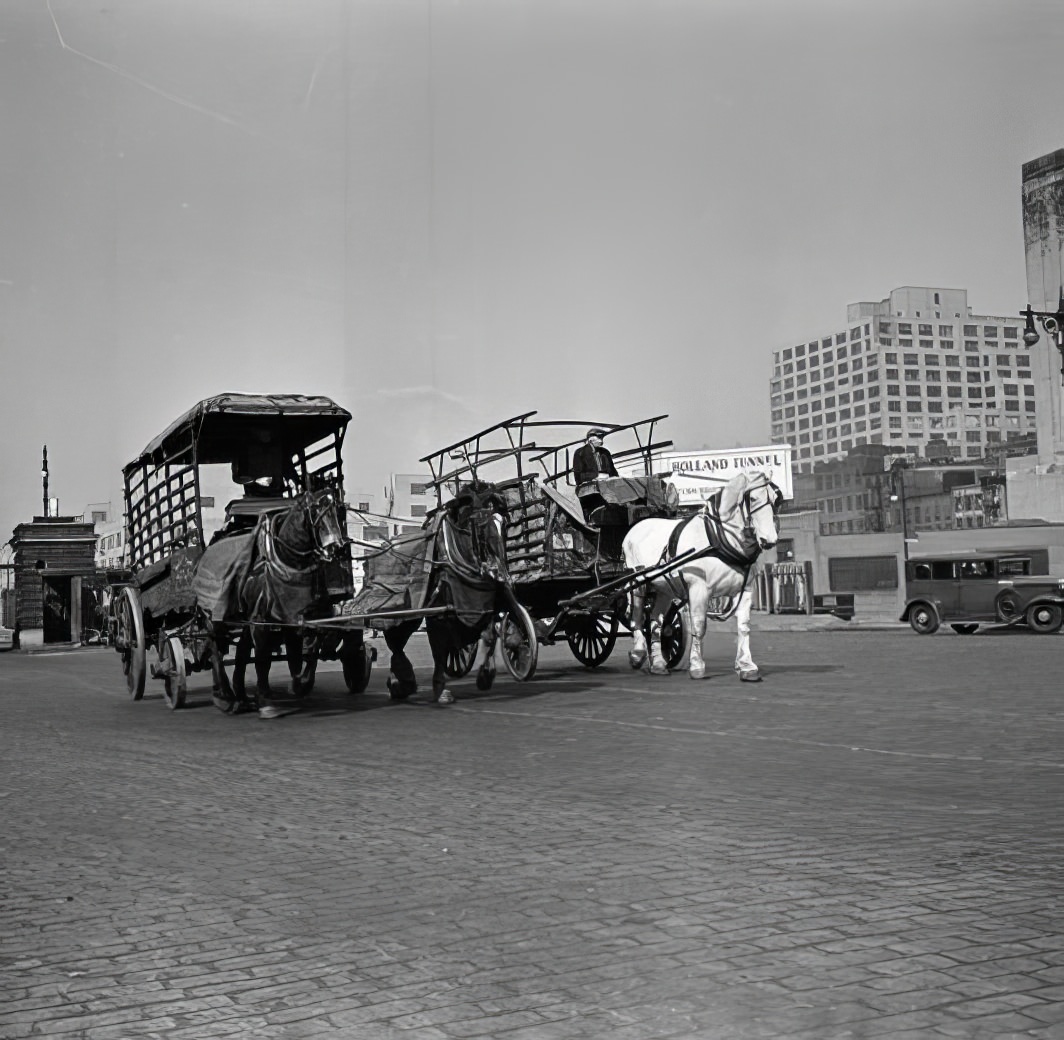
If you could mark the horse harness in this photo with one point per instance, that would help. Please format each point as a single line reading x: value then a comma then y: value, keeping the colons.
x: 740, y: 557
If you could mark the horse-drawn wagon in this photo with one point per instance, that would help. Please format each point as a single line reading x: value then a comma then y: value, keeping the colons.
x: 587, y: 559
x: 563, y: 540
x: 278, y: 558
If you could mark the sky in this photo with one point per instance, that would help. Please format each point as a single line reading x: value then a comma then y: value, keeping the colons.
x: 442, y: 213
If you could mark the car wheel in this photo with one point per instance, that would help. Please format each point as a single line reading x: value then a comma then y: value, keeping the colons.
x: 1008, y: 608
x: 1045, y: 618
x: 923, y: 618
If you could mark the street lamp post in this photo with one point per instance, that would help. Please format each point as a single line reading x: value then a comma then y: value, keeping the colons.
x: 897, y: 479
x: 1052, y: 322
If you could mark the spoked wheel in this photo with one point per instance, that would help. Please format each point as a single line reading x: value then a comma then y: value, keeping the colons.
x: 1045, y: 618
x: 673, y: 636
x: 130, y: 641
x: 172, y: 670
x: 357, y: 662
x: 460, y: 659
x: 518, y: 643
x: 592, y: 637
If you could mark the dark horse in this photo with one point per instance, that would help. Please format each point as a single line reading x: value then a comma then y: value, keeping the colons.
x: 263, y: 581
x: 469, y: 591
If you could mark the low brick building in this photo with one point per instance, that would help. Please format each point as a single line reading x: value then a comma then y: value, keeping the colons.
x: 55, y: 568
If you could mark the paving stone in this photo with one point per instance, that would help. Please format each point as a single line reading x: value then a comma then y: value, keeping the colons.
x: 625, y: 859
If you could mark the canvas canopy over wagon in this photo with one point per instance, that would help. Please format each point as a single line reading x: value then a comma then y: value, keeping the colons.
x: 187, y: 601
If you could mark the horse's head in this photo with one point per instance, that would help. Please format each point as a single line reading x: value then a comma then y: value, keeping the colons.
x: 322, y: 517
x: 758, y: 501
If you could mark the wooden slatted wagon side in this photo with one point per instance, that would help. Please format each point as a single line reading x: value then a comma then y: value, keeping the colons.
x: 282, y: 450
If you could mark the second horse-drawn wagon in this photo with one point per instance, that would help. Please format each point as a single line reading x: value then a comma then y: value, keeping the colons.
x: 563, y: 539
x: 277, y: 558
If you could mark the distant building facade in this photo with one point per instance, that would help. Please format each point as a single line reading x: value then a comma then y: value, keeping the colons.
x: 866, y: 490
x: 409, y: 497
x: 915, y: 369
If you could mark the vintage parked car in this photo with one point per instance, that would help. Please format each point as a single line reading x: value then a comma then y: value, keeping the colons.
x: 7, y: 638
x: 967, y: 589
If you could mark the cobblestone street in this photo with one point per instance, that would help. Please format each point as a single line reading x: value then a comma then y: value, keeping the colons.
x: 868, y: 844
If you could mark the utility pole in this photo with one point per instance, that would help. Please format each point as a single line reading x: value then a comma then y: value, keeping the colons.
x: 44, y: 476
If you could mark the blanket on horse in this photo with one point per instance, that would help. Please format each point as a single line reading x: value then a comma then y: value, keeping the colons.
x: 397, y: 576
x: 241, y: 578
x: 447, y: 564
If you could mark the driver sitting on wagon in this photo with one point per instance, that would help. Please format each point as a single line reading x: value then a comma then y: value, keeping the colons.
x: 263, y: 477
x: 591, y: 461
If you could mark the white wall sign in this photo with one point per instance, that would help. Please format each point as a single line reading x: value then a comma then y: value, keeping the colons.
x: 697, y: 475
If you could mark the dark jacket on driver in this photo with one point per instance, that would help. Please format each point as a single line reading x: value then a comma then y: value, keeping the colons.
x: 590, y: 462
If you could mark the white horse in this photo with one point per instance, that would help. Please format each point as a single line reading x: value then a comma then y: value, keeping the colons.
x: 720, y: 545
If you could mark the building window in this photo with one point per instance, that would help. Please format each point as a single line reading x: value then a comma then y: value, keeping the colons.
x: 421, y: 489
x: 417, y: 510
x: 363, y: 506
x: 989, y: 332
x: 862, y: 573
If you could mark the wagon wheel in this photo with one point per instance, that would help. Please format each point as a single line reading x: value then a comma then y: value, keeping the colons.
x: 357, y: 664
x: 460, y: 659
x: 517, y: 639
x: 592, y: 637
x: 172, y: 671
x: 673, y: 636
x: 130, y: 641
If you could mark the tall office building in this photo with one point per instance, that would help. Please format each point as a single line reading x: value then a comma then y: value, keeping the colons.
x: 914, y: 371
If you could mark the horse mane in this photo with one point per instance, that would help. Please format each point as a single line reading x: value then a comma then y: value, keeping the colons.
x: 738, y: 487
x: 732, y: 495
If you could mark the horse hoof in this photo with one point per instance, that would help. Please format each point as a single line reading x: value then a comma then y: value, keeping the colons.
x: 227, y: 706
x: 750, y: 677
x: 697, y: 673
x: 275, y: 711
x: 485, y: 679
x: 445, y: 697
x: 395, y: 690
x: 658, y: 668
x: 636, y: 659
